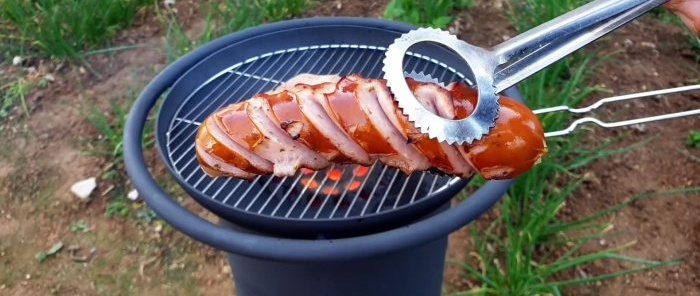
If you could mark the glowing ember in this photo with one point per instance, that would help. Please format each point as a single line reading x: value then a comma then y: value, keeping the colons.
x: 334, y: 182
x: 354, y: 185
x: 360, y: 171
x: 330, y: 191
x: 335, y: 175
x: 310, y: 183
x: 351, y: 186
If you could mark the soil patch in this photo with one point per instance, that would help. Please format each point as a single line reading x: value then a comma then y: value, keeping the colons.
x: 664, y: 228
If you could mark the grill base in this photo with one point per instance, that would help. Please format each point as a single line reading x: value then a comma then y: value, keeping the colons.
x: 416, y: 271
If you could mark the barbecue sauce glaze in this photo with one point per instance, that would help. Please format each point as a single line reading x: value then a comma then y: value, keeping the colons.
x: 513, y: 146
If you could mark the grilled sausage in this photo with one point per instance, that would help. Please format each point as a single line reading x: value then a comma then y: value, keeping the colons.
x: 312, y: 121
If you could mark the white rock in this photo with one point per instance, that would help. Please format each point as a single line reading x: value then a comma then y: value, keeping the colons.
x: 648, y: 44
x: 169, y: 2
x: 17, y: 60
x: 133, y: 195
x: 83, y: 189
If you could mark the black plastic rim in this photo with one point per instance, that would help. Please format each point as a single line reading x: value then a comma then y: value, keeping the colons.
x: 277, y: 248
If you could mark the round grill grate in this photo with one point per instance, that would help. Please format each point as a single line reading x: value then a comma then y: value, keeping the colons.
x: 349, y: 197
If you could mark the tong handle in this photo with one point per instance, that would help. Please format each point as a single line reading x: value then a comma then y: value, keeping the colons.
x: 532, y: 51
x: 599, y: 103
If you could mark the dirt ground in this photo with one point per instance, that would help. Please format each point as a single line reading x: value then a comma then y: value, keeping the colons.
x: 645, y: 55
x: 42, y: 155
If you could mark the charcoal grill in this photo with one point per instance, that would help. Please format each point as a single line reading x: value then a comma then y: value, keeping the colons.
x: 346, y: 230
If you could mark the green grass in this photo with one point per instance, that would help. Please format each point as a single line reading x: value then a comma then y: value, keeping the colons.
x: 510, y: 260
x: 118, y: 207
x: 693, y: 139
x: 274, y: 10
x: 14, y: 95
x: 220, y: 18
x: 665, y: 16
x: 110, y: 126
x: 519, y: 274
x: 14, y: 91
x: 223, y: 17
x: 61, y: 28
x: 109, y: 121
x: 429, y: 13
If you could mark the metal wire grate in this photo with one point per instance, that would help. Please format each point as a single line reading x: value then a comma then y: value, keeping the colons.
x: 307, y: 195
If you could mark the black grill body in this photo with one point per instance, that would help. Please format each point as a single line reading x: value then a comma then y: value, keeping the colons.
x: 416, y: 271
x: 389, y: 238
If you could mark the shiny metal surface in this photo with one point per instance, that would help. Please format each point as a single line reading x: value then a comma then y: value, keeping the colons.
x: 506, y: 64
x: 445, y: 130
x: 422, y: 77
x: 382, y: 190
x: 643, y: 95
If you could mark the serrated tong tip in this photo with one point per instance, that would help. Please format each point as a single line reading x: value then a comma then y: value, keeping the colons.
x: 451, y: 131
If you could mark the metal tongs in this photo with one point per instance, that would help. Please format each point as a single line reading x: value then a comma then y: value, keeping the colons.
x: 510, y: 62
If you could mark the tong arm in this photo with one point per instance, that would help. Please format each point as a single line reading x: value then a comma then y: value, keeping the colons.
x: 599, y: 103
x: 532, y: 51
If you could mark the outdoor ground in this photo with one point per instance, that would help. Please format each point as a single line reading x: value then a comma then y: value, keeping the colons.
x: 44, y: 153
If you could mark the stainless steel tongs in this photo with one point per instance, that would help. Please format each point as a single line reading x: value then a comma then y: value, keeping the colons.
x: 634, y: 121
x: 506, y: 64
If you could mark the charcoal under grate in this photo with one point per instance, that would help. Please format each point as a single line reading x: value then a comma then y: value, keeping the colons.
x: 339, y: 193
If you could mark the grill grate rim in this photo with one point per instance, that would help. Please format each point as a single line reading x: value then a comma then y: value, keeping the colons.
x: 270, y: 196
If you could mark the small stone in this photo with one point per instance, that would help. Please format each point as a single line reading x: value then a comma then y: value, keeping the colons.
x: 169, y: 2
x: 28, y: 276
x: 226, y: 269
x: 133, y: 195
x: 17, y: 60
x: 648, y: 44
x: 83, y: 189
x: 602, y: 242
x: 639, y: 127
x: 627, y: 43
x: 50, y: 77
x: 159, y: 227
x: 132, y: 249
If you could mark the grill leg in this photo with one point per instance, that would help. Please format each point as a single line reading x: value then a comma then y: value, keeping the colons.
x: 416, y: 271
